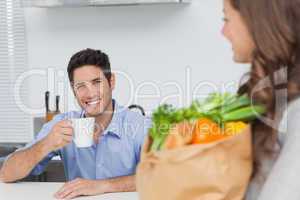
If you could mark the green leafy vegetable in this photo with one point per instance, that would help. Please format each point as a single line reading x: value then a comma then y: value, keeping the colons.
x: 219, y: 107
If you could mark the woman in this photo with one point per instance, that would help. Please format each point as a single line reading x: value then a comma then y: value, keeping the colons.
x: 266, y: 33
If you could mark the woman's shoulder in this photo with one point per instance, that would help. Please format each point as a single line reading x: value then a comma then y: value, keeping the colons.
x: 280, y: 173
x: 294, y: 104
x: 290, y: 119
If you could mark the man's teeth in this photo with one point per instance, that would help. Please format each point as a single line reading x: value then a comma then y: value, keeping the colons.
x: 93, y: 102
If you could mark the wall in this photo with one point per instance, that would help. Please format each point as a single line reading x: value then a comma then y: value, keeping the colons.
x: 162, y: 49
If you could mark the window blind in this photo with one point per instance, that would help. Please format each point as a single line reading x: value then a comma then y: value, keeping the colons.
x: 15, y: 125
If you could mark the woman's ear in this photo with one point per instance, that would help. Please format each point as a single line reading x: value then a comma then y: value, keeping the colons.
x: 112, y: 81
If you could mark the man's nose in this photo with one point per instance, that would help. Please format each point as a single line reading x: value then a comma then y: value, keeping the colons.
x: 92, y: 90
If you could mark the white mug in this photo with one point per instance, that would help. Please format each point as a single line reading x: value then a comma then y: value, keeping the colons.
x: 83, y: 131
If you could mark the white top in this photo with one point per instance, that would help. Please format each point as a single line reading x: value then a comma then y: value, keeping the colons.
x: 45, y: 191
x: 282, y: 174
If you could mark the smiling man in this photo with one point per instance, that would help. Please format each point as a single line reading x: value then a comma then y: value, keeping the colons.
x: 107, y: 166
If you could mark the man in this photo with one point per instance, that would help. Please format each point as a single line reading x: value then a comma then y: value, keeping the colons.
x: 109, y: 165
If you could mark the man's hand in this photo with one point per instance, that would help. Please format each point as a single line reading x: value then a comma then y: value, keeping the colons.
x: 80, y: 187
x: 60, y: 135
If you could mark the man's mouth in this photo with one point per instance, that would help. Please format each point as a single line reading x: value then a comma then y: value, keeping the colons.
x: 92, y: 102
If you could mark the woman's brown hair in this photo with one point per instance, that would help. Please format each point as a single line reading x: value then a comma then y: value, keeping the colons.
x: 275, y: 28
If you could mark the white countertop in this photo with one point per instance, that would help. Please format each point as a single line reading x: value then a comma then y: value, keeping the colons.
x: 45, y: 191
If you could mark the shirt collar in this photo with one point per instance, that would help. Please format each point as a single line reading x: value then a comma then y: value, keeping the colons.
x: 114, y: 126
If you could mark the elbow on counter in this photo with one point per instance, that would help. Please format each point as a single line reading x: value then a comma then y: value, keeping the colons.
x: 4, y: 178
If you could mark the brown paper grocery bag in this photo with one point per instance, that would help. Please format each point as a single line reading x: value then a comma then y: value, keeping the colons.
x: 215, y: 171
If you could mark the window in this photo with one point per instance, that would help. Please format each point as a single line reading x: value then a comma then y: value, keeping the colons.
x: 15, y: 125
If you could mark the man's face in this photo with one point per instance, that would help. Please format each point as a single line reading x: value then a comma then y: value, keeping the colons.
x: 92, y: 90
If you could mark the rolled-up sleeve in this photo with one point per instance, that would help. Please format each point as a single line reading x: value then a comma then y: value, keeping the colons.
x: 40, y: 167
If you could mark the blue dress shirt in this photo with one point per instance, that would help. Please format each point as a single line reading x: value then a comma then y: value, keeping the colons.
x: 117, y: 153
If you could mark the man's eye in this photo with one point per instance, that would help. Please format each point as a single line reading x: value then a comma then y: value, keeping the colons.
x: 79, y: 86
x: 97, y: 81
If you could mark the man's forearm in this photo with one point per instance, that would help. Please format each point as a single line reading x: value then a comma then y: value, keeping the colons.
x: 120, y: 184
x: 20, y: 164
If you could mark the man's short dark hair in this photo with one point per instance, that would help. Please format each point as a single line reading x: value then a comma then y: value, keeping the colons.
x: 89, y: 57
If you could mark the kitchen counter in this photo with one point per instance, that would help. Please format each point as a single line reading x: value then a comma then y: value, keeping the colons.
x: 45, y: 191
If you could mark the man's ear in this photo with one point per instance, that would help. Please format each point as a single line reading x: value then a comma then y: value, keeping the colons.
x: 74, y: 93
x: 112, y: 81
x: 72, y: 88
